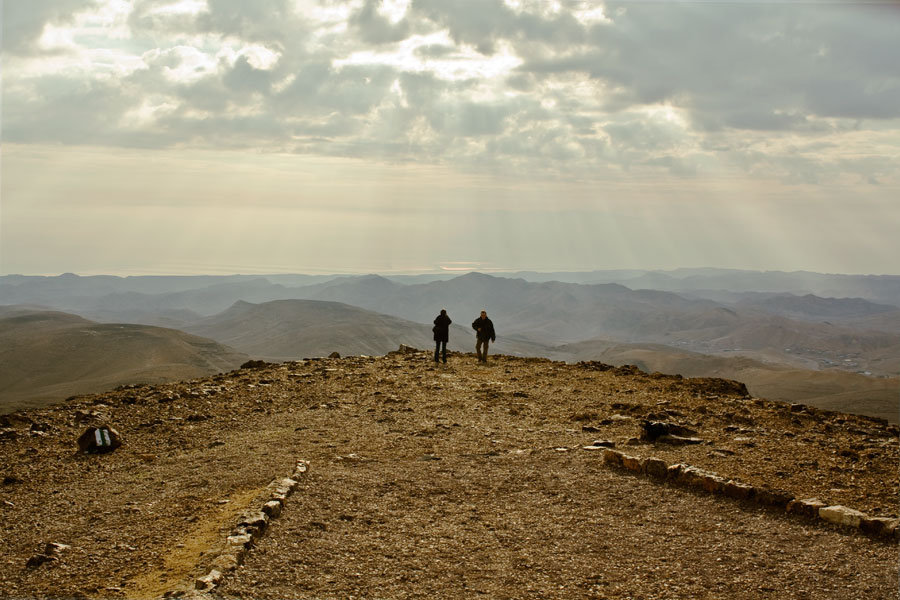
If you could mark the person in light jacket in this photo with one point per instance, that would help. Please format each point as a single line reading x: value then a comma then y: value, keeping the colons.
x: 484, y: 333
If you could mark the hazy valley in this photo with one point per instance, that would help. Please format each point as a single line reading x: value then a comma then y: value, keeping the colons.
x: 772, y: 331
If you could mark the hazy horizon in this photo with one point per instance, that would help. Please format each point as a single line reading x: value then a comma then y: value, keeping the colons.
x: 179, y: 137
x: 447, y: 272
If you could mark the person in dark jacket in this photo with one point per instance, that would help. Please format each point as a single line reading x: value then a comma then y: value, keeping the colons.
x: 441, y: 335
x: 484, y: 333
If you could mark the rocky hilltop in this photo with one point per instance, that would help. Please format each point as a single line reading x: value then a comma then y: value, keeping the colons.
x: 521, y: 478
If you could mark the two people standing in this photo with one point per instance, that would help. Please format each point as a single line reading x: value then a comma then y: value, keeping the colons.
x: 484, y: 334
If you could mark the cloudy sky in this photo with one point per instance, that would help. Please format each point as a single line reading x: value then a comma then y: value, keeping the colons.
x: 238, y: 136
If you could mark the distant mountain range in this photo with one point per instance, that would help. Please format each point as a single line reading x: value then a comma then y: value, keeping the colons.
x: 782, y: 339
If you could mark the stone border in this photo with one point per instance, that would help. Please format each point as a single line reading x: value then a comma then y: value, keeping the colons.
x: 251, y: 526
x: 699, y: 479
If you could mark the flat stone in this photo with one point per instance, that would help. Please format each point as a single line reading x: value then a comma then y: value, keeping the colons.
x: 677, y: 440
x: 612, y: 457
x: 701, y: 479
x: 879, y: 525
x: 243, y: 540
x: 674, y: 471
x: 258, y: 519
x: 808, y: 507
x: 209, y: 580
x: 632, y: 463
x: 841, y: 515
x: 738, y: 490
x: 272, y: 508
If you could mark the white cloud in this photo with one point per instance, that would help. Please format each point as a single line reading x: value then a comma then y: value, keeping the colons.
x: 573, y: 88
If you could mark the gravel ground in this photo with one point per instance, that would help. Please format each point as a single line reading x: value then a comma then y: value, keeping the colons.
x: 449, y: 481
x: 522, y: 526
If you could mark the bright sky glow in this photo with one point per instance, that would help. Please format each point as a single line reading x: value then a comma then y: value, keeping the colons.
x: 150, y: 136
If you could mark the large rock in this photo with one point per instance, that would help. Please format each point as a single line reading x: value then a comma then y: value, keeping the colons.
x: 100, y: 439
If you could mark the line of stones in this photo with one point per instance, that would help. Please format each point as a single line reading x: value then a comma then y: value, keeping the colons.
x: 693, y: 477
x: 251, y: 526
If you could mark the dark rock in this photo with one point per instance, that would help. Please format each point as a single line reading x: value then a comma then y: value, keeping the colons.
x: 603, y: 444
x: 653, y: 430
x: 97, y: 440
x: 39, y: 559
x: 656, y: 467
x: 334, y: 355
x: 808, y: 507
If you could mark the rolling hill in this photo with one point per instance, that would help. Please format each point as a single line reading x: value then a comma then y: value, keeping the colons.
x: 295, y: 329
